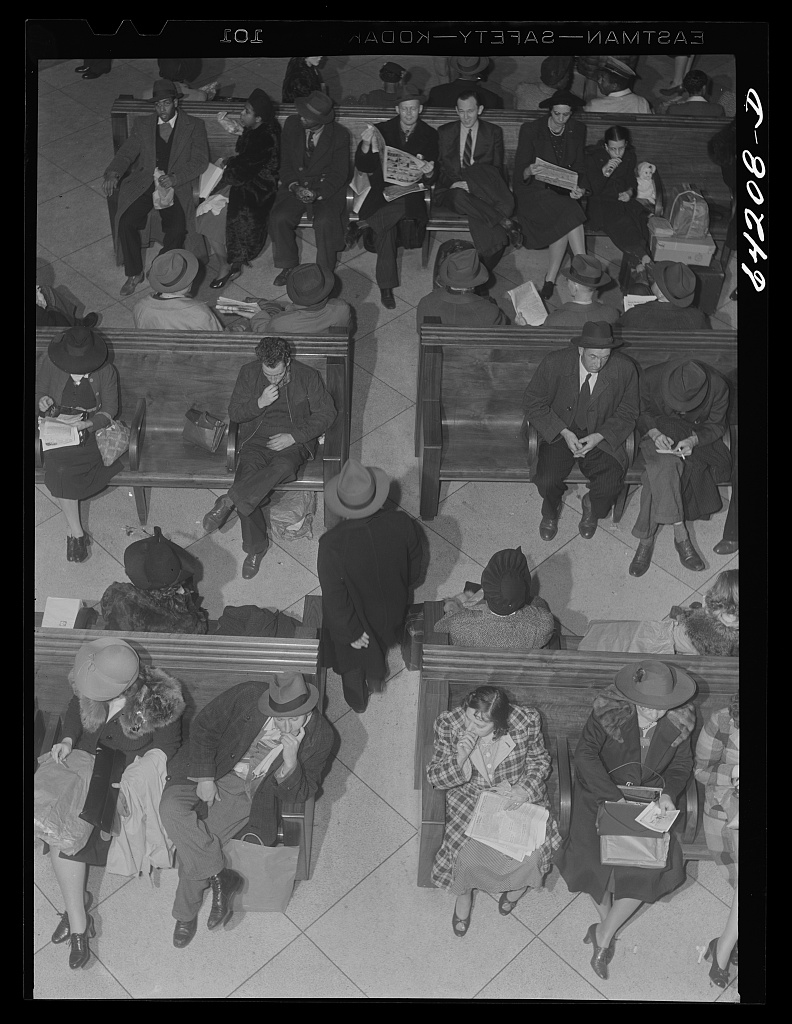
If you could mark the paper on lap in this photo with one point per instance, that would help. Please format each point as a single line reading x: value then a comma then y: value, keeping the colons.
x: 526, y: 301
x: 516, y: 833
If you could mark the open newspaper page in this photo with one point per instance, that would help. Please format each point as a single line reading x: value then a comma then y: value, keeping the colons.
x: 552, y: 174
x: 528, y: 304
x: 54, y: 433
x: 517, y: 833
x: 400, y: 168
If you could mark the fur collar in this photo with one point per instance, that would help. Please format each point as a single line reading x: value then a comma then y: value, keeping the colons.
x: 711, y: 637
x: 613, y: 712
x: 154, y: 701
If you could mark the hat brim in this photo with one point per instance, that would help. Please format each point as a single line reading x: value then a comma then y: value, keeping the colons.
x: 684, y: 688
x: 604, y: 279
x: 333, y: 502
x: 94, y: 358
x: 682, y: 406
x: 659, y: 276
x: 582, y: 342
x: 303, y: 110
x: 312, y: 297
x: 478, y: 278
x: 191, y: 270
x: 266, y: 708
x: 110, y: 687
x: 483, y: 62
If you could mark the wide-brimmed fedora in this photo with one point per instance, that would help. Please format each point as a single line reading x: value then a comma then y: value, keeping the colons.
x: 676, y: 281
x: 78, y: 350
x: 317, y: 107
x: 156, y: 562
x: 288, y: 698
x: 586, y: 270
x: 596, y: 335
x: 104, y: 668
x: 462, y: 269
x: 555, y: 70
x: 409, y: 92
x: 309, y: 283
x: 653, y: 684
x: 562, y: 98
x: 164, y: 88
x: 358, y: 490
x: 619, y: 68
x: 469, y: 65
x: 172, y: 271
x: 684, y: 384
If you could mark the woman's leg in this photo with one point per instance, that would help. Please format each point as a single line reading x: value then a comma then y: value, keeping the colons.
x: 603, y: 909
x: 71, y: 879
x: 577, y: 241
x: 557, y: 250
x: 222, y: 255
x: 727, y: 941
x: 70, y: 508
x: 463, y: 904
x: 619, y: 912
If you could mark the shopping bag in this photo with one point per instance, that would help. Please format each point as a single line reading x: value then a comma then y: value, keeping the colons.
x: 689, y: 215
x: 268, y: 873
x: 291, y: 514
x: 203, y: 430
x: 59, y: 791
x: 112, y: 441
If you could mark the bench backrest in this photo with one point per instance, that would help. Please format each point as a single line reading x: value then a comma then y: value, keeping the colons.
x: 676, y: 145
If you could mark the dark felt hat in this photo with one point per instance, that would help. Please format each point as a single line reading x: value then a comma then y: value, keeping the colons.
x: 505, y: 581
x: 676, y: 281
x: 391, y: 72
x: 586, y: 270
x: 409, y: 92
x: 173, y: 271
x: 653, y: 684
x: 469, y: 65
x: 562, y: 97
x: 462, y: 269
x: 309, y: 283
x: 684, y: 384
x: 156, y: 562
x: 262, y: 105
x: 358, y: 490
x: 164, y: 88
x: 596, y: 335
x: 288, y: 697
x: 317, y: 107
x: 78, y: 350
x: 555, y: 70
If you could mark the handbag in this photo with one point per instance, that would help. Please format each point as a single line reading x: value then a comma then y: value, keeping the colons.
x: 99, y: 809
x: 112, y: 441
x: 268, y: 873
x: 623, y: 843
x: 203, y: 430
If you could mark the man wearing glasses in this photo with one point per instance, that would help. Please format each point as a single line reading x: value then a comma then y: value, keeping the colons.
x: 282, y: 407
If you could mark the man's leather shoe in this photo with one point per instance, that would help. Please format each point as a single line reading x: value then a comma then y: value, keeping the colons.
x: 369, y: 242
x: 91, y: 74
x: 726, y: 547
x: 283, y: 276
x: 387, y: 299
x: 642, y: 558
x: 251, y: 564
x: 184, y: 932
x: 218, y: 514
x: 82, y: 67
x: 688, y: 555
x: 131, y: 284
x: 353, y: 233
x: 587, y: 526
x: 514, y: 232
x: 548, y: 527
x: 224, y: 884
x: 89, y: 320
x: 232, y: 275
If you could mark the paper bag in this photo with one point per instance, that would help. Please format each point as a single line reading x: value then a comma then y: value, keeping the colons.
x: 268, y: 873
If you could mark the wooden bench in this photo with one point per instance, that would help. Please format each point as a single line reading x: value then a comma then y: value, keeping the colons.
x: 163, y: 373
x: 562, y: 686
x: 675, y: 145
x: 205, y: 665
x: 471, y: 381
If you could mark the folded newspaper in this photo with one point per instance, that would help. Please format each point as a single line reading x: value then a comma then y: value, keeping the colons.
x: 55, y: 433
x: 516, y: 833
x: 528, y: 304
x: 552, y: 174
x: 637, y: 300
x: 228, y: 305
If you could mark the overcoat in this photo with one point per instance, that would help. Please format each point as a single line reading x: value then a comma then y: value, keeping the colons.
x: 189, y: 157
x: 527, y: 764
x: 366, y: 568
x: 625, y: 223
x: 610, y: 739
x: 423, y: 140
x: 550, y: 399
x: 326, y: 171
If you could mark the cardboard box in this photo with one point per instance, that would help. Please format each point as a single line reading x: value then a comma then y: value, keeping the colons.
x: 698, y: 251
x: 65, y: 613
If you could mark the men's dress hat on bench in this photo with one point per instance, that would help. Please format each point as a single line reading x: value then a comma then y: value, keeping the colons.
x: 156, y: 562
x: 596, y: 335
x: 586, y: 270
x: 288, y: 698
x: 172, y: 271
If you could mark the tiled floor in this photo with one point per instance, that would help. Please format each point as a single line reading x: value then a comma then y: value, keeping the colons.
x: 360, y: 927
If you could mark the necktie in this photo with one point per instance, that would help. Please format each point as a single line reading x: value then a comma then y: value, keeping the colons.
x: 165, y: 130
x: 310, y: 145
x: 584, y: 397
x: 467, y: 156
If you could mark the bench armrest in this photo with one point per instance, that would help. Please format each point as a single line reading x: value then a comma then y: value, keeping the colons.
x: 531, y: 435
x: 564, y: 785
x: 350, y: 199
x: 690, y: 804
x: 631, y: 447
x: 231, y: 446
x: 433, y: 612
x: 137, y: 435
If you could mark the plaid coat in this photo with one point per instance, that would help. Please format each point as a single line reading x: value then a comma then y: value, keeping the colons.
x: 527, y: 765
x: 717, y: 752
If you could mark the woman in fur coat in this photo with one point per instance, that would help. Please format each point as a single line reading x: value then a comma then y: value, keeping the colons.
x: 250, y: 180
x: 125, y: 706
x: 639, y: 728
x: 715, y: 628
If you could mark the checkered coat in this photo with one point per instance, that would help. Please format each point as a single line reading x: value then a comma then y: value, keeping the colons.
x: 717, y: 752
x: 527, y: 765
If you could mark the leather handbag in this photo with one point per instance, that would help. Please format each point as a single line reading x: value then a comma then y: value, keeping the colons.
x: 100, y: 802
x: 623, y: 842
x: 112, y: 441
x: 203, y: 430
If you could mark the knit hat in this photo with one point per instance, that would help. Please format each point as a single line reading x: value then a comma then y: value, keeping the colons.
x: 156, y: 562
x: 104, y: 668
x: 506, y: 580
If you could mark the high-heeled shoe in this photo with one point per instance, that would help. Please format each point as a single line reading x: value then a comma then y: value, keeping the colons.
x: 232, y: 275
x: 602, y: 955
x: 80, y: 549
x: 463, y: 921
x: 547, y: 290
x: 733, y: 956
x: 80, y: 950
x: 719, y: 975
x: 63, y: 931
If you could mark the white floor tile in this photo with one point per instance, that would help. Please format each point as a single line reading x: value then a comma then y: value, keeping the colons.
x: 301, y: 971
x: 538, y: 973
x: 52, y: 978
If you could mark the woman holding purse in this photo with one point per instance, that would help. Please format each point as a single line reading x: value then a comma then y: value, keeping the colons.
x: 639, y: 728
x: 126, y: 707
x: 74, y: 380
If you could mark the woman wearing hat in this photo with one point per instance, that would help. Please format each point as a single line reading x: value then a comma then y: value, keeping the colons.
x: 302, y: 78
x: 367, y: 565
x: 550, y: 215
x: 161, y: 597
x: 610, y: 169
x: 75, y: 380
x: 250, y: 180
x: 126, y: 707
x: 511, y: 619
x: 554, y: 73
x: 488, y: 743
x: 638, y: 732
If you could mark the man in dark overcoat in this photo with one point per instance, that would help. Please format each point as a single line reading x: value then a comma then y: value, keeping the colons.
x: 684, y: 406
x: 367, y: 565
x: 255, y: 746
x: 314, y: 172
x: 583, y: 401
x: 176, y: 144
x: 472, y: 179
x: 407, y: 132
